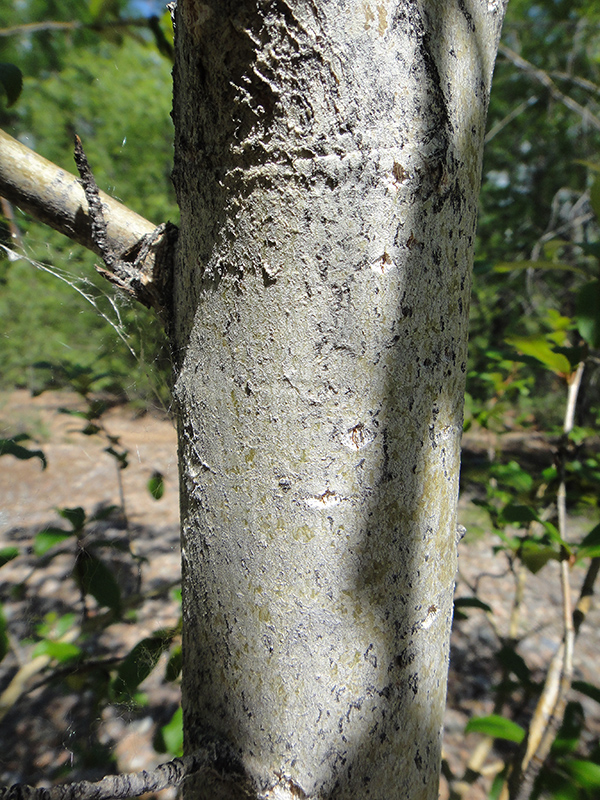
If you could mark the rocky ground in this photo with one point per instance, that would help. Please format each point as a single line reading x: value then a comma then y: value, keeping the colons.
x: 49, y: 725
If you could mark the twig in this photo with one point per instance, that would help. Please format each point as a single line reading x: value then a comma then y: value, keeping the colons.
x: 57, y: 198
x: 71, y: 25
x: 213, y: 755
x: 584, y: 83
x: 495, y: 129
x: 551, y: 706
x: 545, y: 79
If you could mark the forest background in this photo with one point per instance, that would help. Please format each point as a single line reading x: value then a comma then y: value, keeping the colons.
x: 101, y: 68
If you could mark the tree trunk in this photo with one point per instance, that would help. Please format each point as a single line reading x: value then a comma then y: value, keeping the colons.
x: 327, y: 165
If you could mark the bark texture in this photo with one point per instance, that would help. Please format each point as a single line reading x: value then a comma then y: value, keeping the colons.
x: 327, y: 166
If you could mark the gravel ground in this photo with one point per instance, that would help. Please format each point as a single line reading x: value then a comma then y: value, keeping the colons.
x: 48, y: 728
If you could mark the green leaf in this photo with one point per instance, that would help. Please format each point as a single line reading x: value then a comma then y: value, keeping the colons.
x: 471, y: 602
x: 74, y: 412
x: 553, y: 533
x: 590, y: 546
x: 587, y: 313
x: 512, y: 662
x: 138, y: 664
x: 45, y: 540
x: 588, y: 689
x: 519, y: 514
x: 76, y: 516
x: 156, y: 485
x: 172, y: 733
x: 496, y: 726
x: 90, y: 429
x: 11, y: 79
x: 13, y: 448
x: 60, y: 625
x: 558, y: 787
x: 103, y: 513
x: 595, y: 197
x: 7, y: 554
x: 523, y: 515
x: 591, y: 165
x: 497, y: 784
x: 120, y: 457
x: 574, y: 354
x: 174, y: 665
x: 512, y: 475
x: 537, y: 347
x: 535, y: 555
x: 568, y: 736
x: 60, y: 651
x: 585, y: 773
x: 93, y: 577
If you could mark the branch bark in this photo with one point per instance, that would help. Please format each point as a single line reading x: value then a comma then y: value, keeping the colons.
x: 214, y: 755
x: 57, y: 198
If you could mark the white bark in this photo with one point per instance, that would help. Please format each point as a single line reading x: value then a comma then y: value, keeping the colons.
x: 328, y: 160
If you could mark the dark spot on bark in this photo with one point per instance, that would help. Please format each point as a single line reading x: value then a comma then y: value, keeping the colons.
x: 370, y: 656
x: 413, y: 682
x: 398, y: 172
x: 268, y: 280
x: 467, y: 15
x: 405, y: 658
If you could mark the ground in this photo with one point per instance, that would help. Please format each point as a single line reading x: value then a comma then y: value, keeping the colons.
x: 48, y: 725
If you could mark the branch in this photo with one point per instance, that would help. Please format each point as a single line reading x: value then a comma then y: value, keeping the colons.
x: 549, y: 713
x: 545, y: 79
x: 164, y: 45
x: 213, y: 755
x: 72, y: 25
x: 56, y: 198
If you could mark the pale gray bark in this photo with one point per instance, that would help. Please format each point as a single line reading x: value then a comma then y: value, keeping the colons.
x: 328, y: 159
x: 54, y: 196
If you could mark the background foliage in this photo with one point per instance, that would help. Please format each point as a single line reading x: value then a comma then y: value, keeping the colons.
x: 113, y: 87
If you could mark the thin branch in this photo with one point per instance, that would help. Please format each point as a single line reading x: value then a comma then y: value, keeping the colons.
x: 495, y: 129
x: 583, y: 83
x: 92, y: 195
x: 544, y: 78
x: 550, y: 710
x: 55, y: 197
x: 72, y: 25
x: 139, y: 254
x: 212, y: 755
